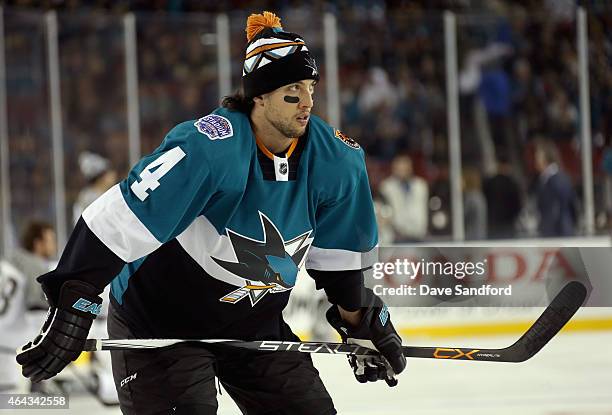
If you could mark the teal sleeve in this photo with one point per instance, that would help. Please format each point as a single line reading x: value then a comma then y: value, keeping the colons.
x: 348, y: 222
x: 167, y: 189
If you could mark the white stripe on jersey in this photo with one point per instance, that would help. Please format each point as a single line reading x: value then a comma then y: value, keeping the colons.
x: 114, y: 223
x: 339, y: 259
x: 201, y: 241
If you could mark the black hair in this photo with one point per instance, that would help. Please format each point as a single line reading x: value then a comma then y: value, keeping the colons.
x: 34, y: 231
x: 238, y: 102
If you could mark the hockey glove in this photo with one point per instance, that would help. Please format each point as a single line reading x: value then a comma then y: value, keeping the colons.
x: 375, y: 331
x: 63, y: 335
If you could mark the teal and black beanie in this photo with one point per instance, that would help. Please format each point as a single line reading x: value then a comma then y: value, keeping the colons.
x: 274, y: 57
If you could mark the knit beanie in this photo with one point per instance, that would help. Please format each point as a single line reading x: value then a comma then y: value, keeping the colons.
x: 274, y: 58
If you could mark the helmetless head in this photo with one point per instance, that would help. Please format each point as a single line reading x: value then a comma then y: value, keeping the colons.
x: 401, y: 167
x: 279, y: 74
x: 287, y: 109
x: 39, y: 239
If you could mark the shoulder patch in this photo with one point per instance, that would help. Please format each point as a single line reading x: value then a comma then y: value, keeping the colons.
x: 346, y: 139
x: 215, y: 127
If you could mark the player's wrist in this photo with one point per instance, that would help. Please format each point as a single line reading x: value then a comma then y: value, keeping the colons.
x: 353, y: 318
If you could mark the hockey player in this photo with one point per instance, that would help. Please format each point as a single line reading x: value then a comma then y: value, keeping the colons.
x: 204, y: 239
x: 22, y: 302
x: 13, y: 323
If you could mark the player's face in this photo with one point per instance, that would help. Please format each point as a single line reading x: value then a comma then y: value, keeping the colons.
x: 288, y: 107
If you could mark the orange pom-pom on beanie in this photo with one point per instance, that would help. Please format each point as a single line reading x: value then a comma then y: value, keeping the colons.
x: 258, y: 22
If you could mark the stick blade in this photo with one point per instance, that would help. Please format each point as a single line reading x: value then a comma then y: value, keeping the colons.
x: 557, y: 314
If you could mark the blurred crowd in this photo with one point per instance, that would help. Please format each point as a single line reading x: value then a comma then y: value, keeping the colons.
x: 519, y: 116
x: 519, y: 113
x: 210, y: 6
x: 517, y: 77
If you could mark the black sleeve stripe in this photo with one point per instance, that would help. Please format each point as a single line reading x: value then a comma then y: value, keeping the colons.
x: 344, y: 288
x: 85, y: 258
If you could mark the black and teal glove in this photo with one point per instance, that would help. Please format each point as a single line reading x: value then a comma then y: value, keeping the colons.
x: 374, y: 331
x: 62, y: 337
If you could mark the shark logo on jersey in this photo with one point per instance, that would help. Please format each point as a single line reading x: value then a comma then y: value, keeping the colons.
x: 268, y: 266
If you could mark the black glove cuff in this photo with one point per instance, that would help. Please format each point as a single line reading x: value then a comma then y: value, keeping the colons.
x: 80, y: 298
x: 374, y: 313
x: 375, y: 316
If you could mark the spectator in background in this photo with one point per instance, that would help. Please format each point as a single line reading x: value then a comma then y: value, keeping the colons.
x: 408, y: 196
x: 377, y: 106
x: 33, y: 258
x: 389, y: 132
x: 486, y: 109
x: 377, y: 92
x: 503, y: 198
x: 528, y: 99
x: 563, y: 116
x: 414, y: 111
x: 555, y: 197
x: 474, y: 205
x: 495, y: 91
x: 100, y: 177
x: 384, y: 218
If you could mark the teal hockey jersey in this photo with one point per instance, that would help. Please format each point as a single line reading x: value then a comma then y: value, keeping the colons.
x: 210, y: 231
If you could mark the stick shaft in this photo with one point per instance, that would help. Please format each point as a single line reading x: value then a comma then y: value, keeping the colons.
x: 552, y: 320
x: 452, y: 353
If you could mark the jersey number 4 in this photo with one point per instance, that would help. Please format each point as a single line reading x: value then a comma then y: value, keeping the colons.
x: 156, y: 170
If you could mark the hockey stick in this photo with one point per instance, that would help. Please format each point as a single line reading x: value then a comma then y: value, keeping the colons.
x: 552, y: 320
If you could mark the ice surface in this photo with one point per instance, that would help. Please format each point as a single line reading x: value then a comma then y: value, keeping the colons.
x: 571, y: 375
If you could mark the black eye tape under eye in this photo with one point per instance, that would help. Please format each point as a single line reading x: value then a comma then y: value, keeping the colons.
x: 291, y: 100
